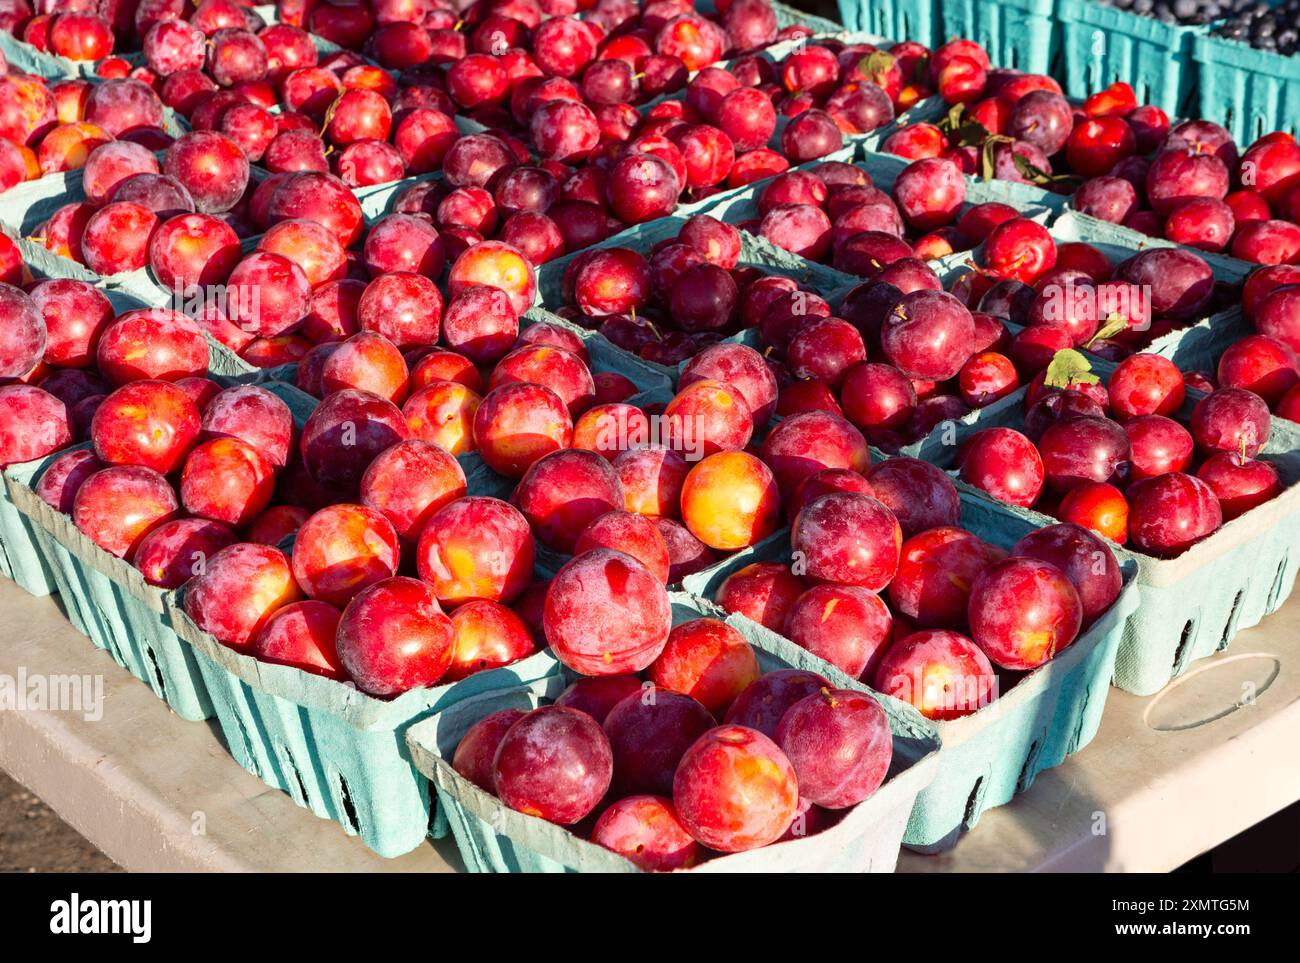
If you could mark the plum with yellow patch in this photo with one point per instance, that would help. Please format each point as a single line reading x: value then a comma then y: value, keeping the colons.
x: 847, y: 625
x: 67, y: 146
x: 735, y: 790
x: 149, y: 423
x: 343, y: 549
x: 227, y: 480
x: 707, y: 417
x: 498, y: 265
x: 936, y: 570
x: 442, y: 412
x: 611, y: 429
x: 940, y: 672
x: 486, y: 635
x: 730, y: 501
x: 476, y: 548
x: 151, y: 343
x: 708, y: 660
x: 367, y: 362
x: 1023, y: 612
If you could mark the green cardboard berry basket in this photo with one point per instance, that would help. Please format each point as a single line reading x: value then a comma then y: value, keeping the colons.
x: 918, y: 20
x: 1194, y: 605
x: 996, y: 752
x: 107, y: 599
x: 1102, y: 44
x: 23, y: 56
x: 755, y: 252
x: 1023, y: 34
x: 1026, y: 197
x: 1253, y: 92
x: 333, y: 749
x: 20, y: 557
x: 495, y: 839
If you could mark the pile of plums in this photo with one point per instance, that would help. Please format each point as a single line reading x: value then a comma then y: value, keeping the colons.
x: 50, y: 127
x: 1070, y: 295
x: 1124, y: 460
x: 60, y: 28
x: 63, y: 350
x: 1201, y: 190
x: 130, y: 194
x: 708, y: 755
x: 885, y: 584
x: 1019, y: 127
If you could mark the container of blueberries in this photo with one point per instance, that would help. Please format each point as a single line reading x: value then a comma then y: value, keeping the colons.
x: 1148, y: 43
x: 1249, y: 69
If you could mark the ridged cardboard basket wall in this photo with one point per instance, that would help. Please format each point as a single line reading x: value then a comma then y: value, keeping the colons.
x: 1194, y: 605
x: 1101, y: 45
x: 333, y: 749
x: 1022, y: 34
x: 493, y: 838
x: 993, y: 754
x: 23, y: 56
x: 1251, y: 92
x: 21, y: 559
x: 905, y: 19
x: 754, y: 252
x: 107, y: 599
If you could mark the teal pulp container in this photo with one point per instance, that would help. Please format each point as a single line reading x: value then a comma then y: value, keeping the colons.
x: 107, y: 599
x: 495, y: 839
x: 21, y: 559
x: 996, y: 752
x: 23, y: 56
x: 917, y: 20
x: 333, y: 749
x: 1022, y: 34
x: 1192, y: 606
x: 754, y: 252
x: 1102, y: 45
x: 1251, y: 92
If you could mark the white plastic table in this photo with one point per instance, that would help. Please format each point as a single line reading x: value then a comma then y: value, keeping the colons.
x: 1167, y: 778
